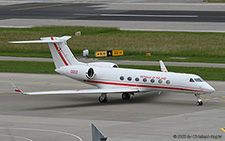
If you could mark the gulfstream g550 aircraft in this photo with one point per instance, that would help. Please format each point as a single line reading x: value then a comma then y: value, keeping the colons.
x: 109, y: 78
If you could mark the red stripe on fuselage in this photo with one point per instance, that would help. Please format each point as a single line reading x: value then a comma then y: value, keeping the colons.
x: 59, y: 52
x: 148, y: 86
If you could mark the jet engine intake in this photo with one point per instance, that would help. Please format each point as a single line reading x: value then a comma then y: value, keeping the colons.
x: 90, y: 73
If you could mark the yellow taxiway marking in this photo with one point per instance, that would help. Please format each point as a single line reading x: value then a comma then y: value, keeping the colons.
x: 219, y: 99
x: 6, y: 92
x: 223, y: 129
x: 215, y: 106
x: 54, y: 5
x: 206, y: 96
x: 223, y: 96
x: 174, y: 101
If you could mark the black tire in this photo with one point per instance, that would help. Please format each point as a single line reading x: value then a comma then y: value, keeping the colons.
x: 102, y: 100
x: 199, y: 103
x: 125, y: 96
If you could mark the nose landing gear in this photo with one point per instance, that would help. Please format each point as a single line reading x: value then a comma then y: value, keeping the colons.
x: 199, y: 100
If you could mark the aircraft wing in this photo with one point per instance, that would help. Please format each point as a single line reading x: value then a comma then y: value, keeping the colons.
x: 87, y: 91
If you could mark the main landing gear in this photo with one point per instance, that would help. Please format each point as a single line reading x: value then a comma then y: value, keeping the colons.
x: 126, y: 96
x: 199, y: 100
x: 103, y: 98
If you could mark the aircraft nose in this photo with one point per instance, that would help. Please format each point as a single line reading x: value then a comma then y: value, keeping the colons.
x: 210, y: 89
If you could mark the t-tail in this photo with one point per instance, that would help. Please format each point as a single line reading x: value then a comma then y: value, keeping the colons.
x: 61, y: 54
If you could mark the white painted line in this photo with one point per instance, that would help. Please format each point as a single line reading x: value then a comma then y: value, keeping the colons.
x: 173, y: 30
x: 86, y: 14
x: 16, y: 26
x: 44, y: 130
x: 134, y: 15
x: 17, y: 137
x: 159, y: 16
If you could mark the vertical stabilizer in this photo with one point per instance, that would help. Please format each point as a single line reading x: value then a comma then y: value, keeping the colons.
x: 61, y: 53
x: 97, y: 134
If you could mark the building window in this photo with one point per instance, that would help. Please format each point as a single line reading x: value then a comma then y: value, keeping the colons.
x: 152, y: 80
x: 129, y: 78
x: 144, y: 80
x: 160, y: 81
x: 136, y: 79
x: 121, y: 78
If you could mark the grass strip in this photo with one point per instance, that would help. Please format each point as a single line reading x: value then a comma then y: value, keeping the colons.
x: 27, y: 67
x: 196, y: 47
x: 48, y: 67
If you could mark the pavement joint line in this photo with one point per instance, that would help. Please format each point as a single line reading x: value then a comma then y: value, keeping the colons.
x: 39, y: 7
x: 27, y: 4
x: 54, y: 5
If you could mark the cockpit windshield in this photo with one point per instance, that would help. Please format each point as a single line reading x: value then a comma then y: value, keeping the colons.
x: 196, y: 80
x: 191, y: 80
x: 199, y: 80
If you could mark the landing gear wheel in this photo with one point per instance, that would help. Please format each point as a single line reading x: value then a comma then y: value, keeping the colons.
x: 125, y: 96
x: 103, y: 98
x: 199, y: 100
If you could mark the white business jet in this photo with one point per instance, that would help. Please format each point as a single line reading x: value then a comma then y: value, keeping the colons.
x: 109, y: 78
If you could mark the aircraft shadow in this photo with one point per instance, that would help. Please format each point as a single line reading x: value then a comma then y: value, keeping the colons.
x: 138, y: 98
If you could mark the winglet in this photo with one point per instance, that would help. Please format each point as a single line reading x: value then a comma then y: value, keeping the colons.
x: 16, y: 88
x: 163, y: 67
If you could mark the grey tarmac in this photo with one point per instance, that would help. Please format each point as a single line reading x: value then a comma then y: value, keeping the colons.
x: 146, y: 116
x: 202, y: 23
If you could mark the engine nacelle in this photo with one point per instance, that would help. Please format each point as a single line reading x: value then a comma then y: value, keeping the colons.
x: 103, y: 64
x: 80, y: 72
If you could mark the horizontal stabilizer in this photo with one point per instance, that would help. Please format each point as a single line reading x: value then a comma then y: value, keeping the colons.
x: 37, y: 41
x: 45, y: 40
